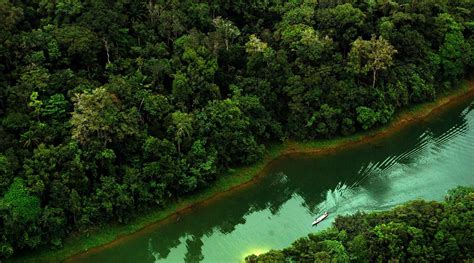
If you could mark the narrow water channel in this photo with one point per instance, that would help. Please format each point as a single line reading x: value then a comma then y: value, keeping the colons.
x: 424, y: 160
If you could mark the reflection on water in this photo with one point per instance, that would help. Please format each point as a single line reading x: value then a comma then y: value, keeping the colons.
x: 422, y: 161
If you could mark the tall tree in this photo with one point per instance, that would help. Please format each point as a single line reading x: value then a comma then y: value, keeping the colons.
x: 373, y: 55
x: 98, y: 117
x: 183, y: 124
x: 226, y: 30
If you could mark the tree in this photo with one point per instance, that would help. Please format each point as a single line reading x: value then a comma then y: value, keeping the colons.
x: 342, y: 23
x: 255, y: 45
x: 270, y: 256
x: 373, y: 55
x: 168, y: 17
x: 24, y: 207
x: 453, y: 48
x: 227, y: 129
x: 366, y: 117
x: 79, y: 43
x: 226, y: 30
x: 75, y: 205
x: 98, y: 116
x: 193, y: 84
x: 183, y: 123
x: 326, y: 120
x: 10, y: 15
x: 19, y: 213
x: 5, y: 173
x: 55, y: 107
x: 64, y: 10
x: 202, y: 163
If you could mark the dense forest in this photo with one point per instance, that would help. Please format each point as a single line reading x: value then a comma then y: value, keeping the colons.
x: 111, y: 108
x: 417, y: 231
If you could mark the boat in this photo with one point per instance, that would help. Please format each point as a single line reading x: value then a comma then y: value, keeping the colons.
x: 319, y: 219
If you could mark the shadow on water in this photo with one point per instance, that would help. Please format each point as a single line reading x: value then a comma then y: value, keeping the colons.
x: 280, y: 206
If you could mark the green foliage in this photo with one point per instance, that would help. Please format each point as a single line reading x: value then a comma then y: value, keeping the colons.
x: 255, y: 45
x: 98, y: 116
x: 183, y: 125
x: 19, y: 212
x: 374, y: 55
x: 416, y: 231
x: 226, y: 30
x: 24, y: 207
x: 108, y: 108
x: 227, y: 130
x: 366, y: 117
x: 55, y: 107
x: 5, y: 173
x: 271, y: 256
x: 325, y: 120
x: 80, y: 44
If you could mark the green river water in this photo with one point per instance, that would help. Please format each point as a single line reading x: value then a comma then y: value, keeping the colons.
x: 423, y: 160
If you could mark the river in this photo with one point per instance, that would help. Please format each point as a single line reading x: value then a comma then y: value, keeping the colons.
x: 423, y: 160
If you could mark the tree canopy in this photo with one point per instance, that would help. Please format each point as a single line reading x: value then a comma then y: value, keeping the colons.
x: 112, y: 108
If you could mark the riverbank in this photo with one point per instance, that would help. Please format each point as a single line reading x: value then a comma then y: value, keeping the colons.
x: 243, y: 177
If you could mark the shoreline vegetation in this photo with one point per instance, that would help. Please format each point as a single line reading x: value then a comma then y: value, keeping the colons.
x: 406, y: 233
x: 239, y: 178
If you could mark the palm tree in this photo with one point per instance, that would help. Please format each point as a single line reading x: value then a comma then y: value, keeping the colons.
x: 184, y: 124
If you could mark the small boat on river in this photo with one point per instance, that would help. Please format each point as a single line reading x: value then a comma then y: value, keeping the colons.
x: 319, y: 219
